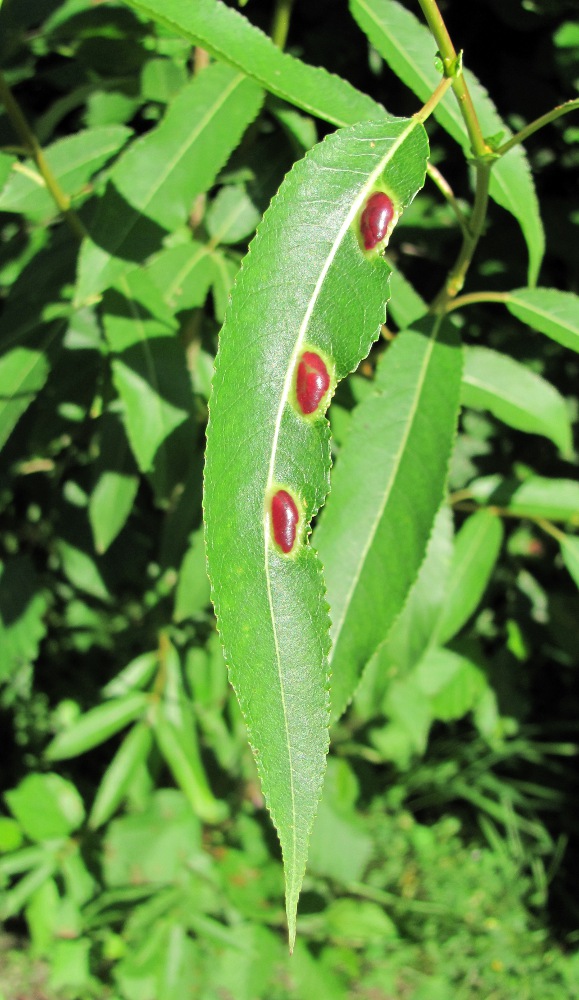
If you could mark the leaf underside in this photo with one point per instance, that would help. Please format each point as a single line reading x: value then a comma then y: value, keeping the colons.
x: 306, y: 282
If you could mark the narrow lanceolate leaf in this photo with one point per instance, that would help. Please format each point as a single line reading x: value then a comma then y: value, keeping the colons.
x: 149, y: 371
x: 549, y: 311
x: 476, y: 551
x: 388, y: 484
x: 96, y: 726
x: 516, y: 395
x: 229, y: 36
x: 413, y: 630
x: 408, y: 47
x: 307, y: 287
x: 537, y: 496
x: 117, y: 778
x: 153, y: 184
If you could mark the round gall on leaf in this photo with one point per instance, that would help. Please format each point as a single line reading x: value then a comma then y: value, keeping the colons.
x: 375, y: 219
x: 284, y: 520
x: 312, y: 382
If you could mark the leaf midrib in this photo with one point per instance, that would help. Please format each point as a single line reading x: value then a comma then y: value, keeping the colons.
x: 522, y: 303
x: 283, y: 402
x: 192, y: 137
x: 338, y: 625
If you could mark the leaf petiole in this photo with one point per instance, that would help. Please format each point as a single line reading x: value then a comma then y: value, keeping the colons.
x: 538, y: 123
x: 434, y: 99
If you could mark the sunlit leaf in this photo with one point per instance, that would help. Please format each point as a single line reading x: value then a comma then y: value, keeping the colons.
x: 327, y: 296
x: 409, y: 48
x: 386, y: 490
x: 229, y: 36
x: 516, y: 395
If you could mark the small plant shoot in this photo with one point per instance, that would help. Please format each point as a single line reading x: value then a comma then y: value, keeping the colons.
x: 284, y: 520
x: 376, y: 219
x: 312, y: 382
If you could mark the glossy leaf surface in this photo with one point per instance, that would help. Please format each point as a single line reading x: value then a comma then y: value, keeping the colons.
x: 386, y: 490
x: 229, y: 36
x: 409, y: 48
x: 328, y: 296
x: 492, y: 381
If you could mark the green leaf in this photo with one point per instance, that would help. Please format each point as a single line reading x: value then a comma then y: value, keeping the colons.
x: 46, y: 806
x: 358, y: 923
x: 73, y: 161
x: 232, y: 216
x: 134, y: 676
x: 548, y: 310
x: 193, y: 592
x: 154, y: 183
x: 406, y: 305
x: 453, y: 683
x: 176, y: 733
x: 536, y: 496
x: 15, y: 899
x: 413, y: 629
x: 386, y: 491
x: 96, y: 726
x: 149, y: 372
x: 23, y: 373
x: 183, y: 275
x: 6, y: 165
x: 516, y: 395
x: 570, y: 552
x: 162, y: 839
x: 83, y: 572
x: 115, y: 486
x: 229, y: 36
x: 328, y: 295
x: 23, y: 605
x: 118, y: 776
x: 225, y: 269
x: 409, y: 49
x: 476, y: 551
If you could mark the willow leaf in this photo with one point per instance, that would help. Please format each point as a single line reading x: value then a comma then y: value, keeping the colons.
x: 305, y: 284
x: 154, y: 182
x: 388, y: 485
x: 548, y: 310
x: 230, y: 37
x: 408, y: 47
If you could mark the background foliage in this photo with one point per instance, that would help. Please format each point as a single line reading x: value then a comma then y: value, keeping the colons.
x: 137, y: 859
